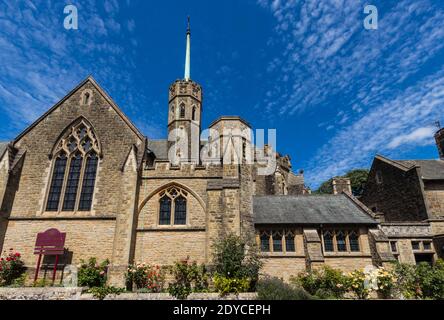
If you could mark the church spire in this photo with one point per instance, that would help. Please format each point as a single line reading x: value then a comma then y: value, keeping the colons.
x: 188, y: 53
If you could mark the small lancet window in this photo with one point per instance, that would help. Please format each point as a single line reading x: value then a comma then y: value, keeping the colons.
x: 353, y: 239
x: 86, y: 97
x: 341, y: 242
x: 182, y: 111
x: 289, y: 242
x: 277, y: 242
x: 193, y: 117
x: 328, y: 241
x: 265, y: 242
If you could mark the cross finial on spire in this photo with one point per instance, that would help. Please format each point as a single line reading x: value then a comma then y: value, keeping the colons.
x: 188, y: 53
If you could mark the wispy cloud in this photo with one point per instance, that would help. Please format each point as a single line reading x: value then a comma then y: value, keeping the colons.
x: 40, y: 61
x: 385, y: 84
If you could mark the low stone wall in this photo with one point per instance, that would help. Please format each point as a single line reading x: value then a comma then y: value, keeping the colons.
x: 79, y: 294
x: 40, y: 293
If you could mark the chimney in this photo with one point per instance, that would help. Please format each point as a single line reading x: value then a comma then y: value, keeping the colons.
x: 439, y: 137
x: 341, y: 185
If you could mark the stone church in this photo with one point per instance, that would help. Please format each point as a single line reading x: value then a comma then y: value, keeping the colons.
x: 85, y: 169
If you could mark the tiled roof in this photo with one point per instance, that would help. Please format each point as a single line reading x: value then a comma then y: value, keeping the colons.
x: 309, y: 209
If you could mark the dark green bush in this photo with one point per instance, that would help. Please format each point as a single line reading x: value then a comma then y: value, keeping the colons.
x: 234, y: 258
x: 276, y: 289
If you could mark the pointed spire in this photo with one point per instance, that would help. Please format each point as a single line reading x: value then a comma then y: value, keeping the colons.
x: 188, y: 53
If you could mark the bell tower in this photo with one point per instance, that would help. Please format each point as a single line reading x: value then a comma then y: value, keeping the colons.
x: 184, y: 114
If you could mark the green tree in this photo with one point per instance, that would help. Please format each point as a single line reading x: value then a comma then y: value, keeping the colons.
x: 358, y: 178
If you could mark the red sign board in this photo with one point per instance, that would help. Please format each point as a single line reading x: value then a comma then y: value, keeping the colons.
x: 49, y: 243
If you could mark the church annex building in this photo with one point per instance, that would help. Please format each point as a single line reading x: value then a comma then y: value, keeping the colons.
x: 85, y: 169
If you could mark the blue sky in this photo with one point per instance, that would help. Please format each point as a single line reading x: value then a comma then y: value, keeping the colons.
x: 336, y: 93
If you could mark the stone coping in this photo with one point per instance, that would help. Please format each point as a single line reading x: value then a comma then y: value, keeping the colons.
x: 62, y: 293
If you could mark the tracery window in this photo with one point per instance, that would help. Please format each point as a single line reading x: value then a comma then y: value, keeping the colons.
x: 173, y: 206
x: 341, y: 241
x: 279, y: 241
x: 74, y: 170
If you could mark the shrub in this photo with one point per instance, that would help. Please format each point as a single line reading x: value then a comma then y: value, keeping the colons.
x: 188, y: 278
x: 225, y: 285
x: 358, y: 285
x: 12, y: 268
x: 407, y: 285
x: 386, y: 281
x: 431, y: 280
x: 101, y: 292
x: 325, y: 283
x: 91, y: 274
x: 276, y: 289
x: 234, y: 258
x: 146, y: 277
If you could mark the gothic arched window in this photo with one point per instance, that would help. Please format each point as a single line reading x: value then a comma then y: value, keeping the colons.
x: 89, y: 180
x: 265, y: 242
x: 74, y: 170
x: 277, y: 242
x: 180, y: 210
x: 173, y: 206
x: 182, y: 111
x: 340, y: 241
x: 193, y: 116
x: 165, y: 211
x: 58, y: 177
x: 353, y: 239
x: 289, y: 242
x: 328, y: 241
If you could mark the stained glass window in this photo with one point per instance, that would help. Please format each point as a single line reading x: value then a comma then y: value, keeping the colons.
x: 180, y: 211
x: 57, y: 183
x: 165, y: 211
x: 89, y: 179
x: 72, y: 184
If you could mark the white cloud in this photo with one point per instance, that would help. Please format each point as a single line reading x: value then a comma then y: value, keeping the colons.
x: 419, y: 136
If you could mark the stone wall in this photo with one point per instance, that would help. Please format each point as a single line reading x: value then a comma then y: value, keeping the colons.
x: 398, y: 196
x: 283, y: 266
x: 166, y: 247
x: 116, y: 138
x: 434, y: 192
x: 80, y: 294
x: 84, y: 238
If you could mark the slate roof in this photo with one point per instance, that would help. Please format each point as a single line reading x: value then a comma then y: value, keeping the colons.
x: 309, y: 209
x: 430, y: 169
x: 159, y: 148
